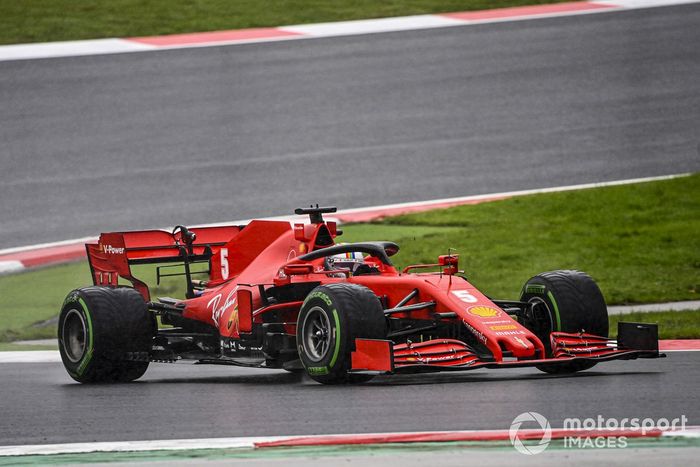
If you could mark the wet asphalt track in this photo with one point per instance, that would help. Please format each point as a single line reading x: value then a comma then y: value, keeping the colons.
x: 97, y: 143
x: 41, y: 404
x: 91, y: 144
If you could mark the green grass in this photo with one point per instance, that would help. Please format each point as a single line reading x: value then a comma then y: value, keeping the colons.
x: 363, y: 232
x: 32, y: 300
x: 7, y: 346
x: 672, y: 324
x: 640, y: 243
x: 54, y: 20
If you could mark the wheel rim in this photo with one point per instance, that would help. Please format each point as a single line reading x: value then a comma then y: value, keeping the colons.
x: 545, y: 327
x: 74, y: 336
x: 316, y: 333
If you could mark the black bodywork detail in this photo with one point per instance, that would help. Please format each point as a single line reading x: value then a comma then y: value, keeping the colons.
x: 290, y: 292
x: 315, y: 213
x: 380, y: 250
x: 638, y: 336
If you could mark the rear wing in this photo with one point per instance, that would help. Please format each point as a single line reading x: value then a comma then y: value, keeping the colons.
x: 114, y: 253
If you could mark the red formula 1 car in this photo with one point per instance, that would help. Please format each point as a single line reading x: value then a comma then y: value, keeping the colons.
x: 283, y: 295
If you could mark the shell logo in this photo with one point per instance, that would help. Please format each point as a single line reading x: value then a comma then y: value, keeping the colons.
x: 484, y: 311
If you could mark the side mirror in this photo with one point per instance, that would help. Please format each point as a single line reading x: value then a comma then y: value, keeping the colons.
x: 450, y: 263
x: 298, y: 269
x: 391, y: 248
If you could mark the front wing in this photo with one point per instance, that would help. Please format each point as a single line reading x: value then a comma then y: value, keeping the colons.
x: 635, y: 340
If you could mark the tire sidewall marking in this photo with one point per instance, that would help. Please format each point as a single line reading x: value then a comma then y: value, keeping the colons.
x: 83, y: 363
x: 337, y: 336
x: 321, y: 295
x: 542, y: 291
x: 336, y: 333
x: 550, y: 295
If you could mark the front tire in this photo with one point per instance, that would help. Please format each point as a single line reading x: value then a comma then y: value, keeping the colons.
x: 105, y: 334
x: 330, y: 319
x: 570, y: 301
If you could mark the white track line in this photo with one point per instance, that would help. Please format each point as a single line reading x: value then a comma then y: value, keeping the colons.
x: 30, y: 356
x: 70, y: 49
x: 39, y: 246
x: 690, y: 305
x: 8, y: 267
x: 373, y: 26
x: 133, y: 446
x: 306, y: 31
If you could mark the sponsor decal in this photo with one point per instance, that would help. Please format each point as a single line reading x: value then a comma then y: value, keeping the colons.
x: 534, y: 288
x: 478, y: 335
x: 509, y: 333
x: 500, y: 321
x: 484, y: 311
x: 218, y: 311
x: 503, y: 327
x: 238, y: 347
x: 320, y: 295
x: 110, y: 250
x: 445, y: 358
x: 231, y: 318
x: 317, y: 370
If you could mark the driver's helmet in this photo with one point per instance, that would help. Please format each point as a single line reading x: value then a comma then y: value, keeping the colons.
x: 351, y: 260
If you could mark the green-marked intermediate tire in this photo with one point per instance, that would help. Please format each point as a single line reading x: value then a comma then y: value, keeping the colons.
x: 330, y: 319
x: 105, y: 334
x: 571, y: 302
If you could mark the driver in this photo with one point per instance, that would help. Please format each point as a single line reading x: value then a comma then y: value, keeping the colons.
x: 351, y: 260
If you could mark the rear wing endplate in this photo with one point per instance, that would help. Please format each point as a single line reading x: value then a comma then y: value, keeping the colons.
x: 114, y: 253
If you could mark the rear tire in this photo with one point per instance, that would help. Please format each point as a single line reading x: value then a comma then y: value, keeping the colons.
x: 572, y: 302
x: 330, y: 319
x: 105, y: 334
